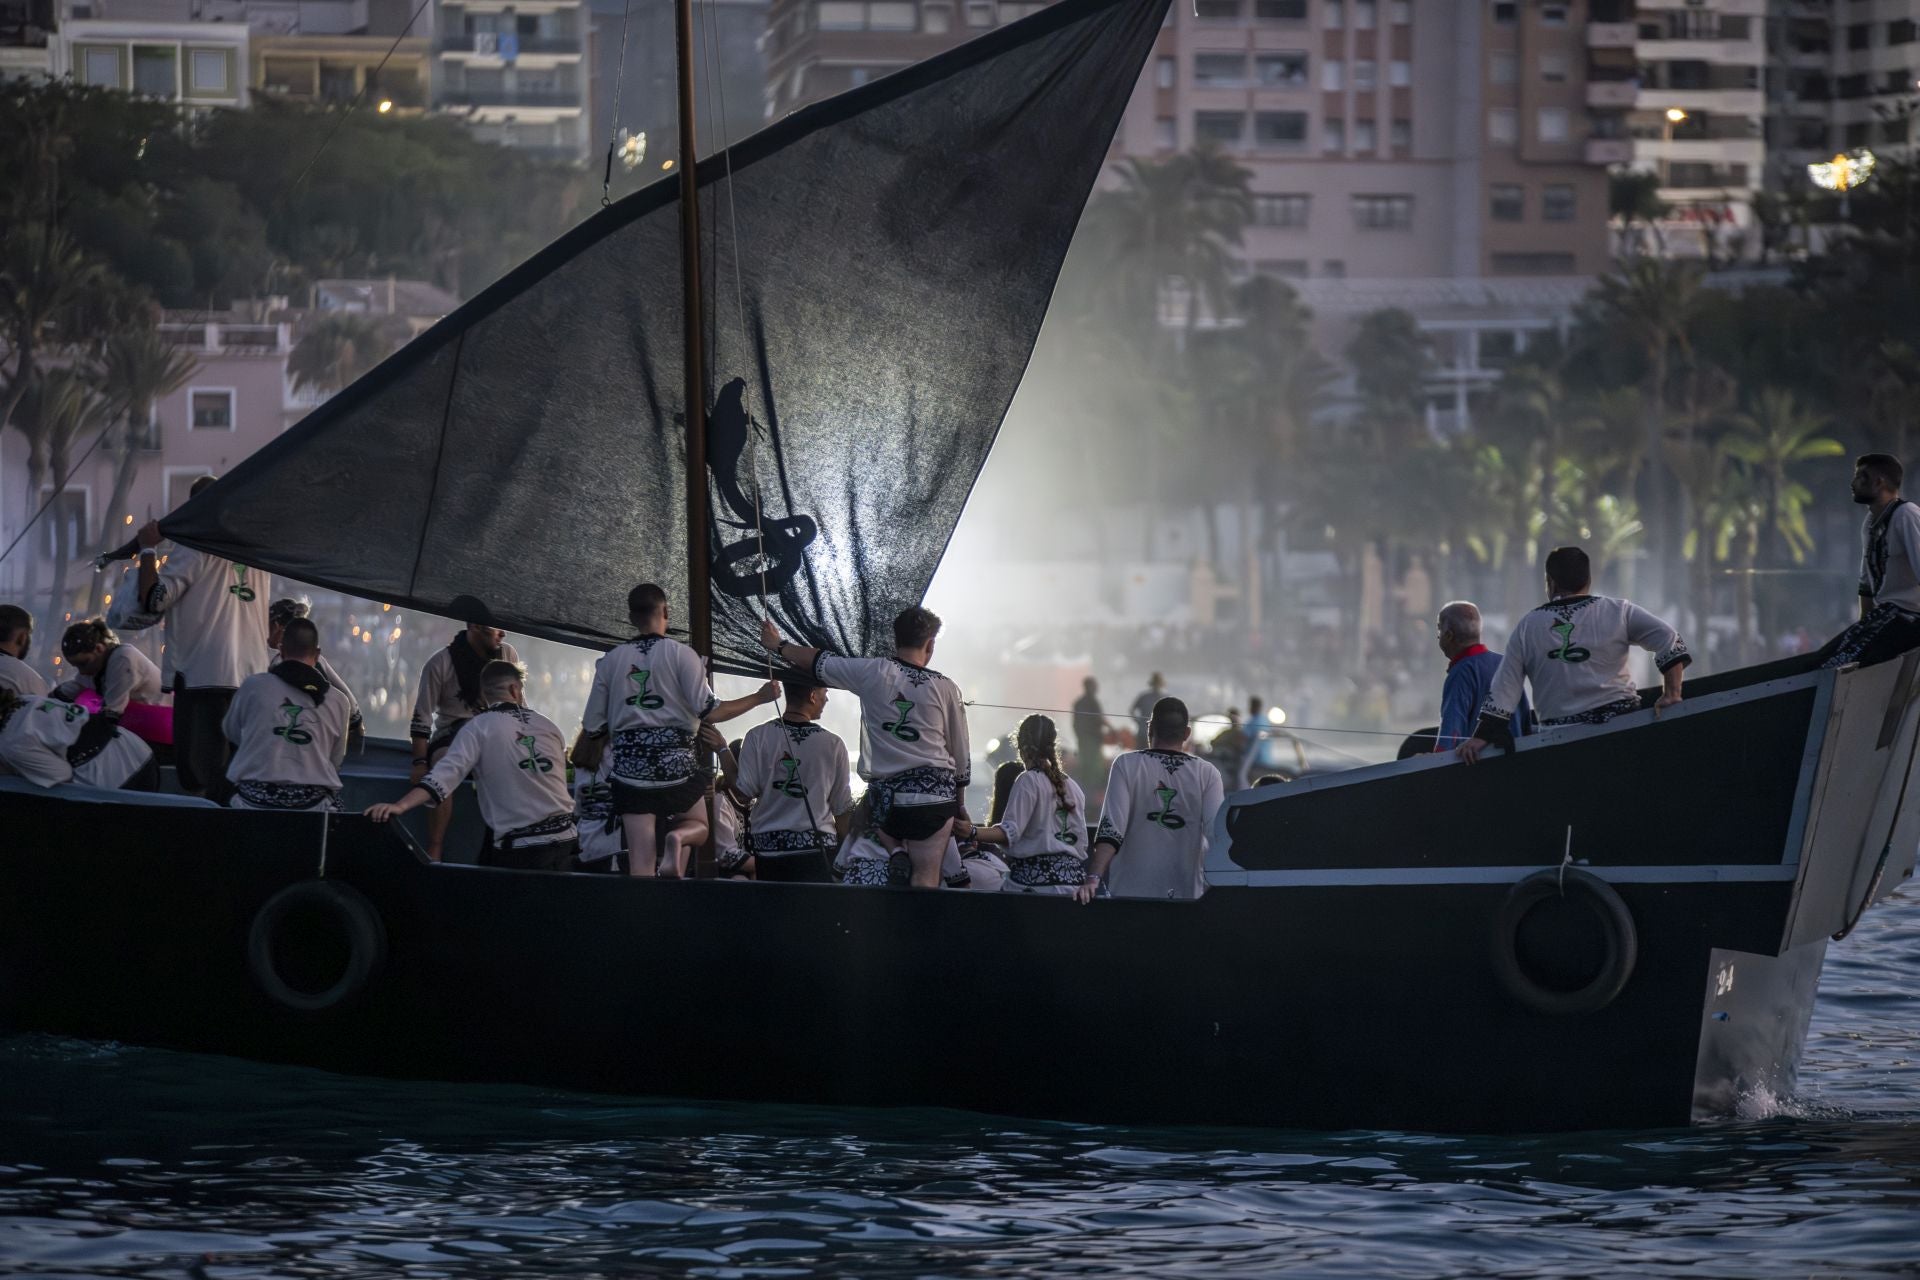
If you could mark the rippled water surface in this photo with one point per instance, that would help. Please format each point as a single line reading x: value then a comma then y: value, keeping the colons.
x: 120, y: 1161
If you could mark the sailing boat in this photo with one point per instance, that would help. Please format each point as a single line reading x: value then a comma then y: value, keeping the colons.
x: 1412, y: 945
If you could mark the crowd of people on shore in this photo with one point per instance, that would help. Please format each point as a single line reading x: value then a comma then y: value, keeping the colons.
x: 259, y: 719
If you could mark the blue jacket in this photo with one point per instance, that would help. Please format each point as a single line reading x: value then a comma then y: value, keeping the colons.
x: 1468, y: 681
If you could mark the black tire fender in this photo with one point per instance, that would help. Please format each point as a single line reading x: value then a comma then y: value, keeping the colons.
x: 336, y: 907
x: 1617, y: 927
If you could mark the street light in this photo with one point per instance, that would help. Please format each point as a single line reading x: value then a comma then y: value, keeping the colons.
x: 1674, y: 116
x: 1843, y: 173
x: 386, y: 105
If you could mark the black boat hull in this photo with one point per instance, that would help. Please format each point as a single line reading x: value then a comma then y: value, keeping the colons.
x: 1346, y: 996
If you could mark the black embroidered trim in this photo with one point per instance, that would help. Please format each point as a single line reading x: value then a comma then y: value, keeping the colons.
x: 1599, y: 715
x: 779, y: 842
x: 286, y: 795
x: 560, y: 826
x: 1046, y: 870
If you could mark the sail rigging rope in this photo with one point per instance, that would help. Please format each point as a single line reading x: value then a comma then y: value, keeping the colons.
x: 27, y: 528
x: 367, y: 82
x: 613, y: 135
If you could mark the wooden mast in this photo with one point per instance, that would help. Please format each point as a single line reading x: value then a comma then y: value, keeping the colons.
x: 699, y: 587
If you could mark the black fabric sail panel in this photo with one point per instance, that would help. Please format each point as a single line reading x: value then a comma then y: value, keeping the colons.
x: 878, y: 268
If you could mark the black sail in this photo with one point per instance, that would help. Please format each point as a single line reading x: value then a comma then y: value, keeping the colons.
x: 878, y: 268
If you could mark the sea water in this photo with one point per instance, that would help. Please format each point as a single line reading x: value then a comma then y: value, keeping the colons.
x: 120, y: 1161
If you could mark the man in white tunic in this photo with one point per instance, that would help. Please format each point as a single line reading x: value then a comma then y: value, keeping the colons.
x: 1152, y: 841
x: 1889, y: 569
x: 216, y: 615
x: 16, y: 638
x: 288, y: 727
x: 1573, y: 651
x: 448, y: 697
x: 518, y: 760
x: 279, y: 614
x: 648, y: 700
x: 118, y: 674
x: 49, y: 742
x: 913, y: 736
x: 1044, y: 826
x: 798, y: 776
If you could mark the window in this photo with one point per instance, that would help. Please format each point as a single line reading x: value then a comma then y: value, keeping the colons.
x: 1554, y: 67
x: 1365, y: 137
x: 1505, y: 12
x: 1166, y: 133
x: 1282, y: 210
x: 1217, y: 10
x: 1333, y: 136
x: 1556, y: 202
x: 1554, y: 124
x: 154, y: 72
x: 1399, y: 12
x: 1400, y: 135
x: 979, y: 13
x: 1280, y: 10
x: 101, y: 67
x: 1506, y: 202
x: 892, y: 15
x: 1503, y: 68
x: 841, y: 15
x: 1275, y: 130
x: 1281, y: 70
x: 1553, y: 15
x: 1860, y: 36
x: 1503, y: 125
x: 210, y: 67
x: 212, y: 410
x: 1218, y: 70
x: 176, y: 483
x: 1333, y: 15
x: 1735, y: 26
x: 1224, y: 127
x: 1165, y: 72
x: 1363, y: 15
x: 1526, y: 264
x: 1334, y: 268
x: 1399, y: 74
x: 1364, y: 73
x: 1902, y: 31
x: 937, y: 19
x: 1857, y: 136
x: 64, y: 526
x: 1383, y: 213
x: 1498, y: 346
x: 1333, y: 75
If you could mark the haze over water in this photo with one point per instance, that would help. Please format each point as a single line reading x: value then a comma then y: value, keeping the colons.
x: 120, y: 1161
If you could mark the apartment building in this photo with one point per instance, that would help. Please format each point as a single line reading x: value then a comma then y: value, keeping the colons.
x: 1846, y: 75
x: 158, y: 48
x: 1699, y: 117
x: 727, y: 79
x: 517, y: 71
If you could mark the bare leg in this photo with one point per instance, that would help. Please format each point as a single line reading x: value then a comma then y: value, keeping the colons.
x: 926, y: 856
x: 689, y: 833
x: 639, y: 828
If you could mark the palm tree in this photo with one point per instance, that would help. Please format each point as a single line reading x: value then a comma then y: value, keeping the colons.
x: 1634, y: 196
x: 1774, y: 435
x: 55, y: 412
x: 1390, y: 357
x: 137, y: 368
x: 1655, y: 301
x: 335, y: 350
x: 45, y: 279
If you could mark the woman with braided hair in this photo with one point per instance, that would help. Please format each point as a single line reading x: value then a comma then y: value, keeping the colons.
x: 1044, y: 827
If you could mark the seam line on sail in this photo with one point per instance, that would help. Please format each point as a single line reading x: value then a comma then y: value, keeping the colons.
x: 439, y: 457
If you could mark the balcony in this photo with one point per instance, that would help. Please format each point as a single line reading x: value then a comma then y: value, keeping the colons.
x: 487, y: 44
x: 1608, y: 151
x: 510, y: 98
x: 1611, y: 35
x: 230, y: 339
x: 1612, y: 95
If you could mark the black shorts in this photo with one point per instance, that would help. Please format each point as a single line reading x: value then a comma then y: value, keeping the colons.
x: 200, y: 750
x: 554, y: 855
x: 794, y: 868
x: 669, y: 801
x: 919, y: 821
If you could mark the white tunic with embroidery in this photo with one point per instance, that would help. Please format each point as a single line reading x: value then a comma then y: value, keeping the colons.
x: 282, y: 737
x: 216, y: 613
x: 649, y: 694
x: 910, y: 717
x: 437, y: 704
x: 798, y: 777
x: 21, y: 678
x: 1158, y: 807
x: 42, y: 731
x: 519, y: 765
x: 1574, y: 651
x: 1890, y: 570
x: 1037, y: 823
x: 129, y: 676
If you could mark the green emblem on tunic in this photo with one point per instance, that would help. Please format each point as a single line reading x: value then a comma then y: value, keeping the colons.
x: 240, y: 587
x: 69, y: 711
x: 535, y: 762
x: 791, y: 784
x: 1165, y: 815
x: 291, y: 730
x: 641, y: 698
x: 899, y: 728
x: 1568, y: 651
x: 1066, y: 834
